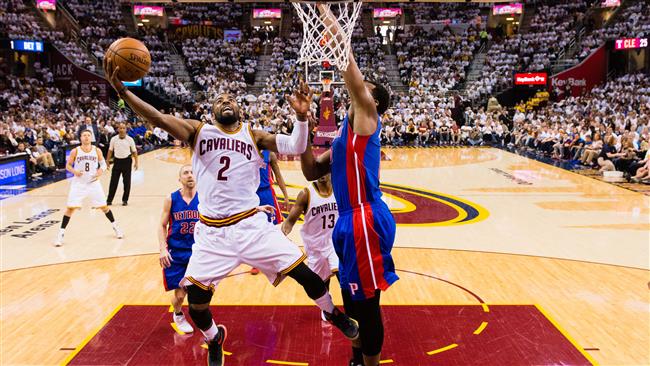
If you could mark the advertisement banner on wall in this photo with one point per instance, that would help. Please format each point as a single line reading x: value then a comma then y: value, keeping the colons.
x: 198, y: 30
x: 67, y: 75
x: 531, y: 78
x: 516, y: 8
x: 582, y: 77
x: 156, y: 11
x: 13, y: 171
x: 386, y: 12
x: 267, y: 13
x: 46, y: 4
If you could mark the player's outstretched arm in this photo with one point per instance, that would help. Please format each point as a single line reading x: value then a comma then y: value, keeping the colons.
x: 182, y: 129
x: 363, y: 103
x: 296, y: 143
x: 298, y: 209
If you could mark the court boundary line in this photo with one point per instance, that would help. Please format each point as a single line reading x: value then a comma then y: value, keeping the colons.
x: 395, y: 247
x: 92, y: 335
x: 565, y: 334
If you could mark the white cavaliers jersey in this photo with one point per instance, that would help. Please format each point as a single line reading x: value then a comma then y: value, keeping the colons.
x: 227, y: 169
x: 320, y: 218
x: 87, y: 163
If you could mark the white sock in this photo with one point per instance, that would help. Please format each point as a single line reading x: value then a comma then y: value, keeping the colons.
x: 61, y: 231
x: 211, y: 332
x: 114, y: 223
x: 325, y: 303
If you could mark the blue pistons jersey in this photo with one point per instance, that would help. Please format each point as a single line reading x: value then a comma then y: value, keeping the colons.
x: 180, y: 232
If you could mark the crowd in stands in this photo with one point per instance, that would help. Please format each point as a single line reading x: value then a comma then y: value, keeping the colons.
x: 18, y: 21
x: 227, y: 15
x: 552, y: 29
x: 431, y: 13
x: 41, y: 120
x: 633, y: 22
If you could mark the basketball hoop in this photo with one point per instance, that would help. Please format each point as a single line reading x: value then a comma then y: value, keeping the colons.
x: 327, y: 84
x: 318, y: 41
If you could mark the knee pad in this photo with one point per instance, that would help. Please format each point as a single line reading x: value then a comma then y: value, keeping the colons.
x: 197, y: 295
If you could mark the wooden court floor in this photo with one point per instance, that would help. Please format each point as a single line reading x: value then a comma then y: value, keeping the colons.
x: 470, y: 221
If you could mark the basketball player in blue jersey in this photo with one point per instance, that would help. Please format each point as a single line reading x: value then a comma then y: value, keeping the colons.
x: 231, y: 229
x: 265, y: 190
x: 176, y: 237
x: 364, y: 233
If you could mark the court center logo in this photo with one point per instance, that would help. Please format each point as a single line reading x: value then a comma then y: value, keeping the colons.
x: 418, y: 207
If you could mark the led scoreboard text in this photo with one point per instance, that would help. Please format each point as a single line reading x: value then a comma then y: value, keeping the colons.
x: 630, y: 43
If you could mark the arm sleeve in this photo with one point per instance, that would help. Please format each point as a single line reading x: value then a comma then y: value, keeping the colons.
x: 296, y: 143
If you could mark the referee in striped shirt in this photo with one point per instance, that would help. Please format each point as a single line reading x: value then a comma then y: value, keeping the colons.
x: 122, y: 149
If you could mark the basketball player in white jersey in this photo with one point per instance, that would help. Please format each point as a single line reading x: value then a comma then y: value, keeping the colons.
x: 87, y: 164
x: 318, y: 205
x: 231, y: 230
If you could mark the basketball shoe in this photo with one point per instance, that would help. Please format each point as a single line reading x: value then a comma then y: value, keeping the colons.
x: 215, y: 347
x: 59, y: 239
x: 118, y: 233
x: 182, y: 323
x: 347, y: 325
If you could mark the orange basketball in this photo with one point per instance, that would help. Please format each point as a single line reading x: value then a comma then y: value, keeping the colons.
x: 132, y: 56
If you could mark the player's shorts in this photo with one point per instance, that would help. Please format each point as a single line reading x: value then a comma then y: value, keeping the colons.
x: 80, y: 190
x: 363, y: 240
x: 173, y: 274
x: 267, y: 197
x: 322, y: 259
x: 253, y: 241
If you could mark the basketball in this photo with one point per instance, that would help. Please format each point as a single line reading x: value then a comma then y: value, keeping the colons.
x: 132, y: 56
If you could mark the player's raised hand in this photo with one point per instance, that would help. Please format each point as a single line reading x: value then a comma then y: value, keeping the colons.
x: 110, y: 74
x: 300, y: 101
x: 165, y: 258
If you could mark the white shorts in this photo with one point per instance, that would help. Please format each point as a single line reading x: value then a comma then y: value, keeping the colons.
x: 253, y: 241
x: 80, y: 190
x: 324, y: 261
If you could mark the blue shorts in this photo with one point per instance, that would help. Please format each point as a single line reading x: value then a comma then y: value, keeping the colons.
x: 363, y: 242
x: 173, y: 275
x: 267, y: 197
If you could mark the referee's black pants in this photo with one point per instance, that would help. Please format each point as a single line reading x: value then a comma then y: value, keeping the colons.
x: 120, y: 167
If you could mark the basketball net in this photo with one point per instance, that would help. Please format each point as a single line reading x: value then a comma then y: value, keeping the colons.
x: 318, y: 41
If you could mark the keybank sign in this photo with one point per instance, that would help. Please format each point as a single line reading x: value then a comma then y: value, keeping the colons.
x: 14, y: 172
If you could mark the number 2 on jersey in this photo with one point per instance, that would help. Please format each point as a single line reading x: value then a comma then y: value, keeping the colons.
x: 225, y: 161
x: 331, y: 219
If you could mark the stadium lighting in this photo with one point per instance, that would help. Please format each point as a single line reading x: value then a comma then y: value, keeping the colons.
x: 140, y: 24
x: 267, y: 22
x: 510, y: 18
x: 145, y: 20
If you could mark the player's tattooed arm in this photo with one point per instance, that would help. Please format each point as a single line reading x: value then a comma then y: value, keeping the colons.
x: 182, y: 129
x: 298, y: 209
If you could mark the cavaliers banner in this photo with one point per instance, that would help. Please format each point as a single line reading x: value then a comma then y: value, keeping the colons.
x: 326, y: 131
x: 582, y: 77
x: 65, y: 72
x: 198, y: 30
